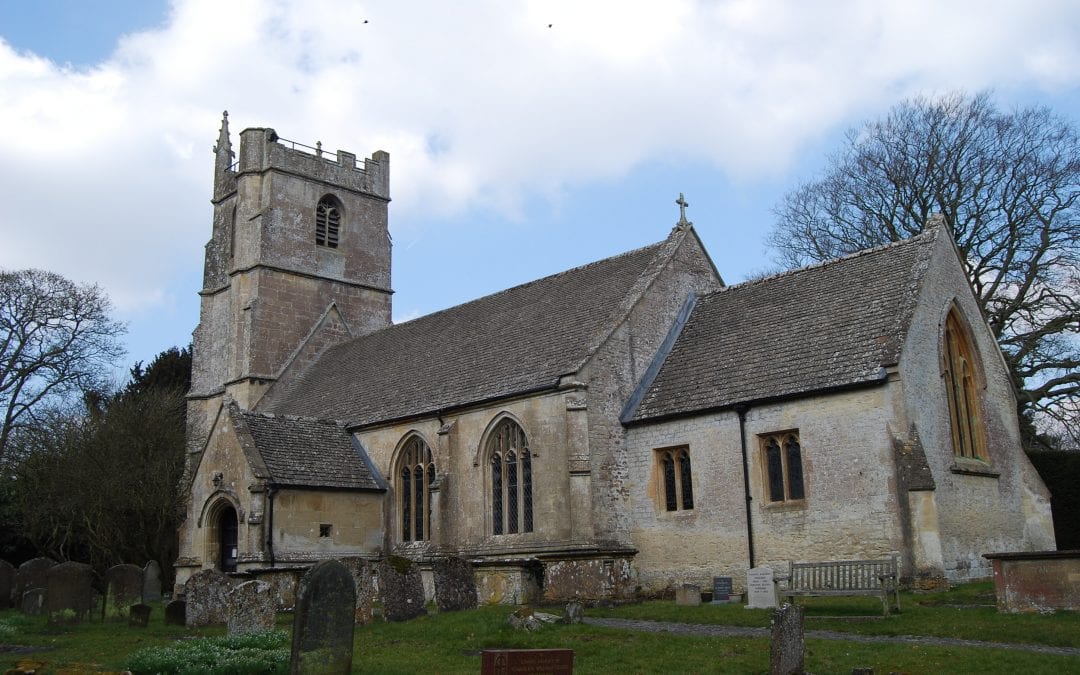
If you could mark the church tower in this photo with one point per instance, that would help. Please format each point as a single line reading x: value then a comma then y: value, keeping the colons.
x: 299, y: 251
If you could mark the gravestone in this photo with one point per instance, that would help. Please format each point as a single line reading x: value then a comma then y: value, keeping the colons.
x: 721, y: 590
x: 402, y: 589
x: 31, y: 574
x: 33, y: 602
x: 151, y: 590
x: 455, y: 584
x: 123, y: 588
x: 176, y: 613
x: 366, y: 577
x: 7, y: 584
x: 322, y: 641
x: 688, y: 594
x: 69, y: 597
x: 760, y: 588
x: 574, y: 612
x: 251, y: 608
x: 547, y: 661
x: 786, y: 648
x: 139, y: 615
x: 207, y: 597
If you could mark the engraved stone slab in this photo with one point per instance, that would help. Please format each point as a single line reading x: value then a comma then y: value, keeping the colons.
x: 402, y: 589
x: 151, y: 590
x: 506, y: 661
x: 251, y: 608
x: 33, y: 602
x: 366, y: 577
x: 123, y: 588
x: 455, y: 584
x: 721, y: 590
x: 786, y: 649
x: 31, y: 574
x: 760, y: 588
x: 688, y: 594
x: 176, y: 613
x: 69, y: 596
x: 139, y: 615
x: 7, y: 584
x: 207, y: 596
x: 322, y: 641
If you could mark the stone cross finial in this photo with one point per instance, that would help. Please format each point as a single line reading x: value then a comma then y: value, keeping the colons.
x: 681, y: 201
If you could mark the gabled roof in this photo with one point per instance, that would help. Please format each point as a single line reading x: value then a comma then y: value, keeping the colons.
x: 306, y: 452
x: 516, y: 341
x: 829, y: 326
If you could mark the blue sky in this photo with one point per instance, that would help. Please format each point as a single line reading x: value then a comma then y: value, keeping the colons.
x: 517, y: 149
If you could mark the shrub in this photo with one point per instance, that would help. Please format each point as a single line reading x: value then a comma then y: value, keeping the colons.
x: 257, y: 653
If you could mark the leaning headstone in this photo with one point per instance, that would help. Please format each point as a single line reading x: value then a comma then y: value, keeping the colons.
x: 574, y: 612
x: 721, y: 590
x: 322, y: 641
x: 366, y: 580
x: 33, y: 602
x: 402, y: 589
x: 207, y: 596
x: 7, y: 584
x: 31, y: 574
x: 176, y: 613
x: 760, y: 588
x: 69, y: 596
x: 455, y: 584
x: 123, y: 588
x: 151, y: 589
x: 688, y: 594
x: 786, y: 649
x: 251, y: 608
x: 139, y: 615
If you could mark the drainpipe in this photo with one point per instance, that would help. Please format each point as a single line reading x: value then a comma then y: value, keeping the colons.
x: 741, y: 410
x: 270, y: 523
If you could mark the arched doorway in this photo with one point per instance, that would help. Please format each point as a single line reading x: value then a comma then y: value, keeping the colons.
x: 227, y: 538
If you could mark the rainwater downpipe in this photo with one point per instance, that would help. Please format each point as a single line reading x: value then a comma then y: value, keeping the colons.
x: 270, y: 523
x: 741, y: 411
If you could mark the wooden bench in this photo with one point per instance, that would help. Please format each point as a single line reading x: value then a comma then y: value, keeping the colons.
x: 845, y: 577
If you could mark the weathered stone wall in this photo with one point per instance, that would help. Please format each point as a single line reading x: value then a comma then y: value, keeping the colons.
x: 355, y: 519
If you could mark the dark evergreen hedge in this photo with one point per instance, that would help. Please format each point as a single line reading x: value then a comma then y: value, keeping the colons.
x: 1061, y: 473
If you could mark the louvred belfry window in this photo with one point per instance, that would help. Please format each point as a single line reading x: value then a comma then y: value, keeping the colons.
x: 511, y: 480
x: 327, y: 222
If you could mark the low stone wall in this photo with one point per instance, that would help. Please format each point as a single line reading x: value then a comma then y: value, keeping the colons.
x: 1037, y: 581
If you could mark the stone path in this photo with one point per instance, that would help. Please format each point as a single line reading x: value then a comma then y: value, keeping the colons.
x: 744, y: 631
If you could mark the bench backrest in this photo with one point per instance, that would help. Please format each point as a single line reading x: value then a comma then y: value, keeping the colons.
x: 842, y: 575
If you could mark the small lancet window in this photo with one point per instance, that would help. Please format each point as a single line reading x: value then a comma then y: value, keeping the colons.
x: 511, y: 480
x: 416, y: 477
x: 328, y: 222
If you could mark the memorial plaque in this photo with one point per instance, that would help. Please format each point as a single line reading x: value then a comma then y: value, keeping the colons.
x: 534, y: 661
x: 760, y: 588
x: 721, y: 590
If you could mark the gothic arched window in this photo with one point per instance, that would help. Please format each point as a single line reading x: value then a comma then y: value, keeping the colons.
x: 511, y: 479
x: 962, y: 390
x: 676, y: 479
x: 415, y: 477
x: 328, y: 222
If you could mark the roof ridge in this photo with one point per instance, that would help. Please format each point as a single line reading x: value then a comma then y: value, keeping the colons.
x: 293, y: 418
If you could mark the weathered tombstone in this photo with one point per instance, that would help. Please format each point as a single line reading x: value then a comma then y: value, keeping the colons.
x: 207, y: 597
x: 322, y: 641
x: 786, y: 649
x: 574, y: 611
x: 455, y: 584
x: 366, y: 578
x: 7, y: 584
x: 402, y: 589
x: 33, y: 602
x: 760, y: 588
x: 139, y: 615
x: 251, y: 608
x: 176, y: 613
x: 721, y: 590
x: 151, y: 590
x: 69, y: 596
x: 547, y: 661
x: 688, y: 594
x: 31, y: 574
x: 123, y: 588
x: 524, y: 618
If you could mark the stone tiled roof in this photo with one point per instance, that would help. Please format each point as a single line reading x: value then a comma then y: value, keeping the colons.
x: 519, y: 340
x: 306, y: 452
x: 823, y: 327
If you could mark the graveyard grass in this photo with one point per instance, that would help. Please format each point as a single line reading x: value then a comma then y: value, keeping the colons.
x: 451, y: 642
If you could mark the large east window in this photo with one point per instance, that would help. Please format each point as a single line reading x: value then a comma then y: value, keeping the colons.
x: 510, y: 464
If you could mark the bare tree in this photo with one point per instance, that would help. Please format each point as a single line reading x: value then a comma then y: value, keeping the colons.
x: 1008, y: 185
x: 56, y: 339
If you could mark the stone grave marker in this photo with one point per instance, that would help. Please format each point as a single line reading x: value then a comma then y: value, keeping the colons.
x: 574, y: 612
x: 69, y: 597
x: 322, y: 641
x: 139, y: 615
x: 251, y: 608
x: 123, y: 588
x: 31, y: 574
x: 786, y: 647
x: 366, y: 577
x: 7, y: 584
x: 760, y: 588
x: 547, y: 661
x: 455, y: 584
x: 402, y: 589
x: 33, y: 602
x: 207, y: 597
x: 688, y: 594
x: 151, y: 590
x: 176, y: 613
x: 721, y: 590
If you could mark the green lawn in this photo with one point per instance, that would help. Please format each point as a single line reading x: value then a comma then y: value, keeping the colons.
x: 451, y: 643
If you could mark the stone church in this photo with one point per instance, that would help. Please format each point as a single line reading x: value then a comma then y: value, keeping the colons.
x: 608, y: 431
